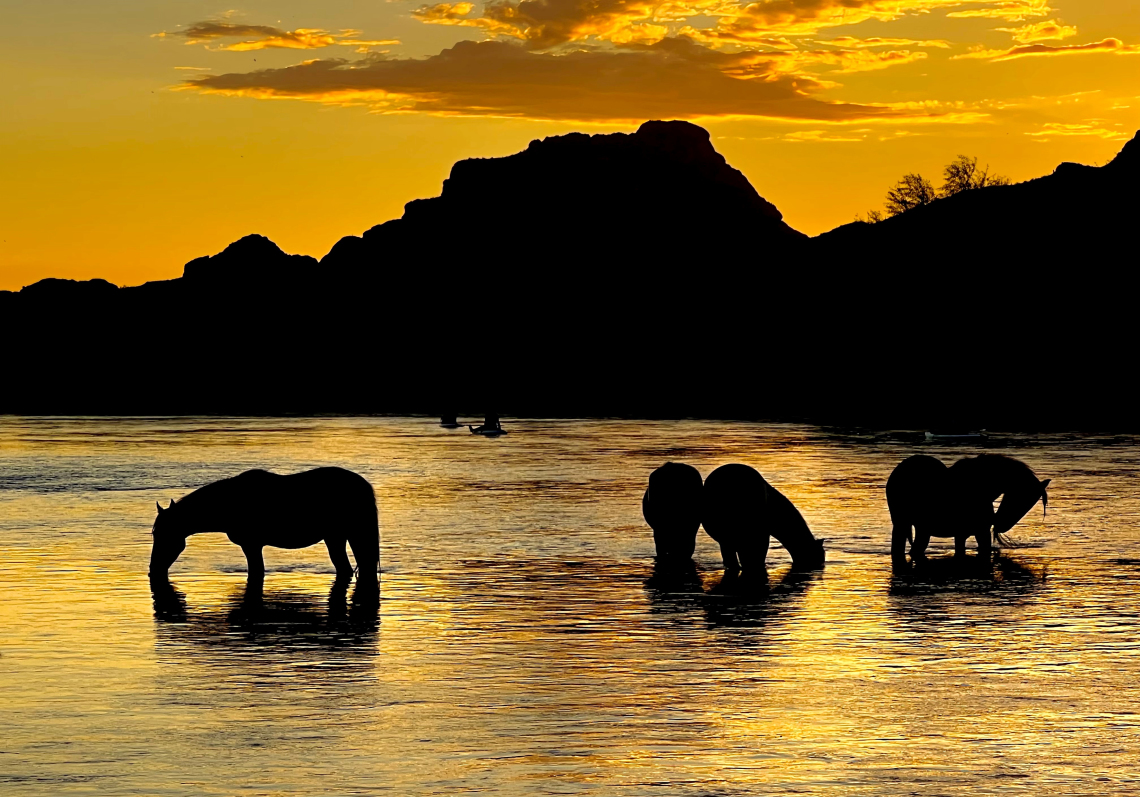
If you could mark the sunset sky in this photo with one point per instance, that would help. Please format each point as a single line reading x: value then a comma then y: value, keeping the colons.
x: 138, y: 135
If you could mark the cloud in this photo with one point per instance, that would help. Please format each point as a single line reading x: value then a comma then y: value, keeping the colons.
x: 875, y: 41
x: 1013, y: 11
x: 264, y: 37
x: 1027, y: 50
x: 548, y: 23
x: 1040, y: 31
x: 674, y: 78
x: 1086, y: 129
x: 751, y: 23
x: 543, y: 24
x: 820, y: 135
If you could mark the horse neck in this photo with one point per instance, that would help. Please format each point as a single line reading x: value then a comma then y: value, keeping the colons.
x: 1004, y: 476
x: 201, y: 511
x: 788, y: 526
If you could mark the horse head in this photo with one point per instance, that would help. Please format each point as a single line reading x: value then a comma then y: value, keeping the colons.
x: 810, y: 556
x: 169, y: 540
x: 1016, y: 503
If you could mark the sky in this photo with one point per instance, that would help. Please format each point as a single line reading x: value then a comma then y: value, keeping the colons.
x: 140, y: 135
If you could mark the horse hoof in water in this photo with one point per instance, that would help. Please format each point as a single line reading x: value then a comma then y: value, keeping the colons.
x: 742, y: 512
x: 672, y: 508
x: 258, y: 509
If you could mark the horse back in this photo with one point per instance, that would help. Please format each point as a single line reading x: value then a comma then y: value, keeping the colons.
x: 915, y: 485
x: 298, y: 509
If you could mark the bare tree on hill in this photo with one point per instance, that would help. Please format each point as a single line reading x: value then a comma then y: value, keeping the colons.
x: 912, y: 191
x: 963, y: 174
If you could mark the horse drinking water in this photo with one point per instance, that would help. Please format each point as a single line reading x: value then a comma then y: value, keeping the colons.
x: 258, y: 508
x: 958, y: 501
x: 742, y: 512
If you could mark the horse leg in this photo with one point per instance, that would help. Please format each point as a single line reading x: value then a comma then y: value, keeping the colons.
x: 985, y: 548
x: 900, y: 536
x: 339, y: 555
x: 731, y: 565
x: 960, y: 546
x: 366, y: 549
x: 255, y: 562
x: 753, y: 557
x: 918, y: 547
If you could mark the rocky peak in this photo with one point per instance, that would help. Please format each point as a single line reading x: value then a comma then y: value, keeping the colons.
x: 249, y: 259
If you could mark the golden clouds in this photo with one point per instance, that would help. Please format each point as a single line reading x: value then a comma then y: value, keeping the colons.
x: 1040, y: 31
x: 1013, y: 11
x: 263, y: 37
x: 852, y: 42
x: 628, y: 60
x: 1094, y: 129
x: 1027, y: 50
x: 675, y: 78
x: 544, y: 24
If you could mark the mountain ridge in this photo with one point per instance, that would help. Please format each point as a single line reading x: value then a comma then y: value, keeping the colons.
x: 680, y: 293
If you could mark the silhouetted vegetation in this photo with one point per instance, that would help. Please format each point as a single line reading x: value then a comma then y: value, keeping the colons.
x: 915, y: 191
x: 963, y: 174
x: 912, y: 191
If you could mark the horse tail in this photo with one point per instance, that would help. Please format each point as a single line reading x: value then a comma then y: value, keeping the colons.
x: 365, y: 540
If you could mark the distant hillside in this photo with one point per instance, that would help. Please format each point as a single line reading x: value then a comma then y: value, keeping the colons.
x: 636, y: 275
x: 1077, y: 211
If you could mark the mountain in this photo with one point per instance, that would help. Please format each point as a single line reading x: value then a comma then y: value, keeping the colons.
x: 626, y: 274
x: 578, y: 199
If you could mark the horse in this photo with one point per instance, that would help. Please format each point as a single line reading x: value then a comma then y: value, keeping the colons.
x: 258, y: 508
x: 672, y: 508
x: 958, y: 501
x: 742, y: 512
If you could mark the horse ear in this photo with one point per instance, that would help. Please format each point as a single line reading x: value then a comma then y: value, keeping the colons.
x: 159, y: 507
x: 171, y: 504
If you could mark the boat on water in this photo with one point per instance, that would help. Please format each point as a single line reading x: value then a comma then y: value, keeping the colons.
x: 490, y: 428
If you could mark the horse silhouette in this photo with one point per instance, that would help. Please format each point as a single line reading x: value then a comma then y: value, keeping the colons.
x: 936, y: 501
x: 672, y: 508
x: 258, y: 508
x: 742, y: 512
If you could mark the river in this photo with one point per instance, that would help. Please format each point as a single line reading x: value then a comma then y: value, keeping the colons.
x: 523, y: 646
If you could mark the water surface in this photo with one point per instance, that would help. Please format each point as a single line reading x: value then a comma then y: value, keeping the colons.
x: 523, y: 645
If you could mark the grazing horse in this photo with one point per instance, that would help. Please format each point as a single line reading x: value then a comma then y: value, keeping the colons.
x: 258, y: 508
x: 958, y: 501
x: 742, y: 511
x: 672, y: 508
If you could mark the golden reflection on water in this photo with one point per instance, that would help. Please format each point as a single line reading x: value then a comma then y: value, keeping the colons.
x: 523, y: 643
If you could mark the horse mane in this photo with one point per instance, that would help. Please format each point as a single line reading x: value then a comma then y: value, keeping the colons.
x: 999, y: 472
x: 220, y: 492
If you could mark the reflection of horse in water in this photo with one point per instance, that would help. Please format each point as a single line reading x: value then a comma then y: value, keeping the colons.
x: 748, y: 599
x: 259, y: 508
x: 924, y: 594
x: 742, y: 511
x: 957, y: 574
x: 958, y: 501
x: 286, y: 625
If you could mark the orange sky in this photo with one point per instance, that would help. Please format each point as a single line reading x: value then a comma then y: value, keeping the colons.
x: 140, y: 135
